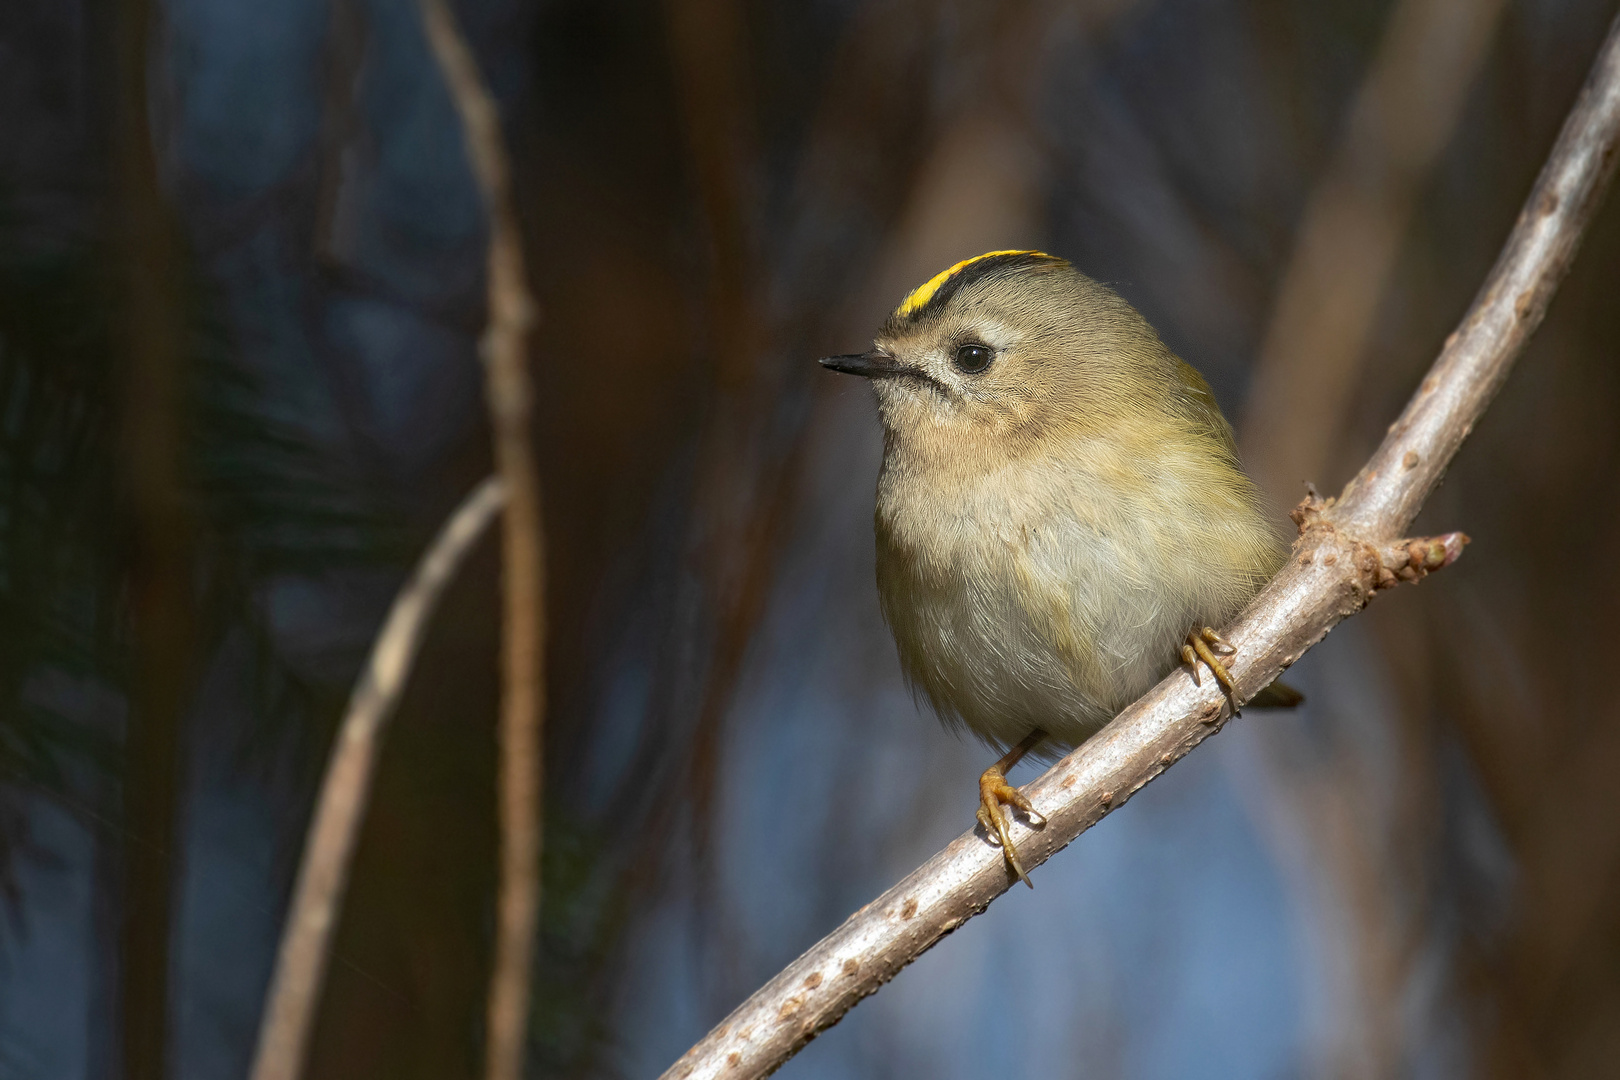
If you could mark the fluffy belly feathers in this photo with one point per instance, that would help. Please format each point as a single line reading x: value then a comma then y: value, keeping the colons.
x: 1009, y: 620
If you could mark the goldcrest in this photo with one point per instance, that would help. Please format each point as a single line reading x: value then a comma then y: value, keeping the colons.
x: 1061, y: 515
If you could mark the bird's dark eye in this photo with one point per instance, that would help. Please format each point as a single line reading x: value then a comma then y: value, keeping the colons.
x: 974, y: 358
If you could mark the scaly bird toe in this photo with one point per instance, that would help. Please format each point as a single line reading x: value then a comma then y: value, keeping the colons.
x: 1201, y: 645
x: 995, y: 792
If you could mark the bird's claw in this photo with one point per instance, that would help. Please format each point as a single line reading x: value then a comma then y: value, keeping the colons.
x: 994, y: 793
x: 1202, y: 645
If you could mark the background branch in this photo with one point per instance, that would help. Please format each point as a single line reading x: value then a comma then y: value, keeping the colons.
x: 1351, y: 235
x: 306, y: 941
x: 161, y: 552
x: 1315, y: 368
x: 1346, y: 553
x: 510, y: 399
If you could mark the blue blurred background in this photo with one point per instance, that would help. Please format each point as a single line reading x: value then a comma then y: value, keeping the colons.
x: 1414, y: 876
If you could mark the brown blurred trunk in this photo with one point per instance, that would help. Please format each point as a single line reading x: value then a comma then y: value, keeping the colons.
x: 150, y: 343
x: 708, y: 48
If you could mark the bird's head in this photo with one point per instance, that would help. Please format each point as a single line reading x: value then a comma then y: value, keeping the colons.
x: 1006, y: 352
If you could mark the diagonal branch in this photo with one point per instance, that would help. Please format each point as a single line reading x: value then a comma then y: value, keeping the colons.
x: 306, y: 943
x: 1347, y: 551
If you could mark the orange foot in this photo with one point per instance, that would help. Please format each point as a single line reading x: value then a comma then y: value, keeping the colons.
x: 995, y: 792
x: 1202, y: 645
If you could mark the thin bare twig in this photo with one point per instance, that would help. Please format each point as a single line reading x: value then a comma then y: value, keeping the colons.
x: 510, y: 398
x: 306, y: 942
x: 1347, y: 551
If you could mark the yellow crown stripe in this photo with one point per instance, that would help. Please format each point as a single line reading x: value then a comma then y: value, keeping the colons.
x: 918, y: 298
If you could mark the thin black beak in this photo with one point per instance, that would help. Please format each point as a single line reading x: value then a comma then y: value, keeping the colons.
x: 871, y: 365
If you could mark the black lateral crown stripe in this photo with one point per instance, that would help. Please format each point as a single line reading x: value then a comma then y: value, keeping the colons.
x: 977, y: 270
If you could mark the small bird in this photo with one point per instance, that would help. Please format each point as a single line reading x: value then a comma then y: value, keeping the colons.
x: 1061, y: 515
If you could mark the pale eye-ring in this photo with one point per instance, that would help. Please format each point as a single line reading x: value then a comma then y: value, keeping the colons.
x: 973, y: 359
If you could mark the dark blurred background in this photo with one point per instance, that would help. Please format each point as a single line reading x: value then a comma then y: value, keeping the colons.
x: 241, y: 278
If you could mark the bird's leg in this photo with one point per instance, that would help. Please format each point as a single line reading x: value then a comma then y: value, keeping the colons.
x: 1202, y: 645
x: 995, y: 792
